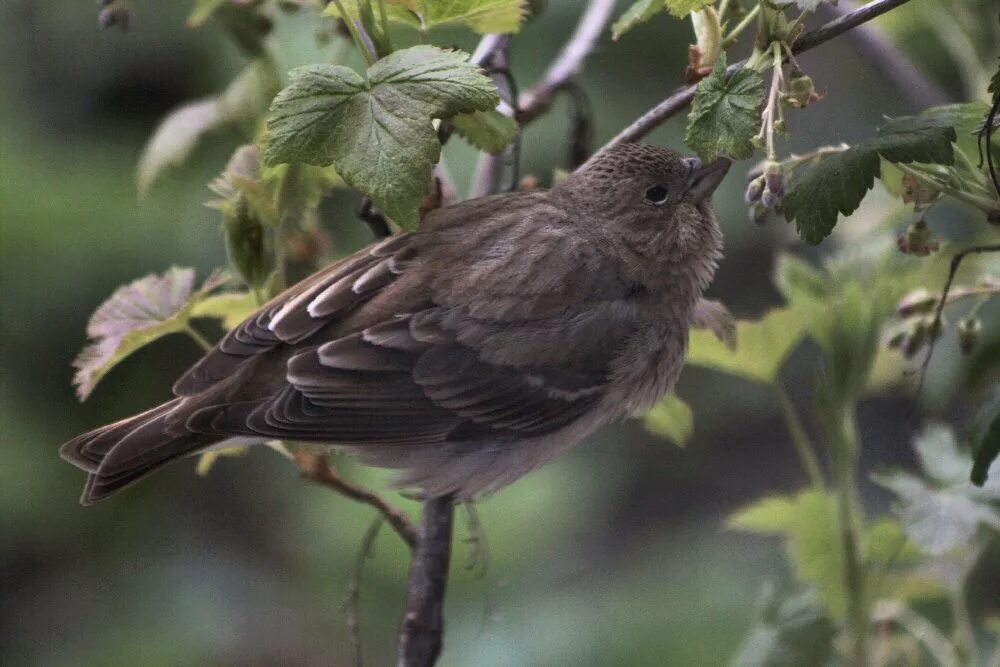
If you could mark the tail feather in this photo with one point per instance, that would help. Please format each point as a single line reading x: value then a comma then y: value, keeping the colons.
x: 122, y: 453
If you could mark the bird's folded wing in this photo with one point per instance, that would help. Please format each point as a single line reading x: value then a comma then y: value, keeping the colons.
x: 482, y: 355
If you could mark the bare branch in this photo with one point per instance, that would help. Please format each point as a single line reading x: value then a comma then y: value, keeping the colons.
x: 680, y: 100
x: 422, y: 635
x: 353, y: 601
x: 317, y: 469
x: 569, y: 61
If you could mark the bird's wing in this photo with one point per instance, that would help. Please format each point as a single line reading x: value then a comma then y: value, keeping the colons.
x: 503, y: 330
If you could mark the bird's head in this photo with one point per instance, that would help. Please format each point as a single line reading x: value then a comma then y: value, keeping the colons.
x: 654, y: 206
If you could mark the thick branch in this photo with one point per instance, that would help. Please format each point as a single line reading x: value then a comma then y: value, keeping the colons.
x: 682, y: 98
x: 317, y: 469
x: 569, y: 61
x: 422, y: 635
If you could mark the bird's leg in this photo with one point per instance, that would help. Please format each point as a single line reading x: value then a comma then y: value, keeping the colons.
x: 714, y: 316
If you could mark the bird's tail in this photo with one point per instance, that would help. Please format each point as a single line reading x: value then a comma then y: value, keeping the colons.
x: 122, y: 453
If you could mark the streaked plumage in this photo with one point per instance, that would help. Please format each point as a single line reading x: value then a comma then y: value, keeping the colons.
x: 465, y: 354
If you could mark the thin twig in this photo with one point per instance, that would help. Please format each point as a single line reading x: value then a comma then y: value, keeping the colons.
x: 352, y: 602
x: 317, y: 469
x: 807, y: 456
x: 935, y: 326
x: 680, y: 100
x: 569, y: 61
x: 422, y: 636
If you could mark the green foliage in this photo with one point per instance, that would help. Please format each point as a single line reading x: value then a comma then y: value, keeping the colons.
x: 377, y: 130
x: 202, y: 11
x: 762, y: 348
x: 836, y: 183
x: 945, y: 512
x: 793, y: 632
x: 230, y: 308
x: 137, y: 314
x: 489, y: 131
x: 483, y: 16
x: 643, y: 10
x: 672, y: 419
x: 242, y: 104
x: 724, y: 115
x: 809, y: 523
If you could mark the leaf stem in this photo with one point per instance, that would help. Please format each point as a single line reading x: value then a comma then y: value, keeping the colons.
x: 383, y: 18
x: 355, y: 35
x: 987, y: 206
x: 197, y: 337
x: 804, y: 449
x: 731, y: 38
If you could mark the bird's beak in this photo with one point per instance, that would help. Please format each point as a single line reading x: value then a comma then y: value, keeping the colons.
x: 703, y: 180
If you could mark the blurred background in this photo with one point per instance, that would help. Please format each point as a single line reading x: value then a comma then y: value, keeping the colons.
x: 615, y: 554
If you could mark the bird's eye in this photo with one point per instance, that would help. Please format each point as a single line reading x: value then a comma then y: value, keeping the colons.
x: 656, y: 194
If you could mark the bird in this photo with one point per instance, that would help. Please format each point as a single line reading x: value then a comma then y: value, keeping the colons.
x: 465, y: 354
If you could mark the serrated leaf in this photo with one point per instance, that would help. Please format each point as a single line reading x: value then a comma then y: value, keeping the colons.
x: 926, y: 138
x: 489, y: 131
x: 762, y: 346
x: 835, y: 185
x: 638, y: 12
x: 725, y: 114
x: 809, y: 522
x: 242, y: 103
x: 377, y: 131
x: 681, y: 8
x: 134, y: 316
x: 230, y: 308
x: 483, y: 16
x: 672, y: 419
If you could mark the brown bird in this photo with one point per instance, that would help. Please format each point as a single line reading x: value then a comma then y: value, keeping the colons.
x: 467, y: 353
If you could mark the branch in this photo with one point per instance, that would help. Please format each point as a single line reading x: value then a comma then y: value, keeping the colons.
x: 569, y: 61
x: 679, y: 101
x: 317, y: 469
x: 421, y: 638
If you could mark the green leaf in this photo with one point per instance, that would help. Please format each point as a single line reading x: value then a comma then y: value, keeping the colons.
x: 809, y: 522
x: 242, y: 104
x: 836, y: 184
x: 762, y: 346
x: 489, y: 131
x: 672, y: 419
x: 377, y: 130
x: 796, y: 633
x: 230, y: 308
x: 801, y: 283
x: 483, y: 16
x: 681, y: 8
x: 135, y: 316
x: 725, y: 114
x: 945, y: 513
x: 639, y: 12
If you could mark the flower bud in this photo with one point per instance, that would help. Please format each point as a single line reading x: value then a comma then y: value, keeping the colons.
x: 754, y: 190
x: 775, y: 179
x: 758, y: 214
x: 917, y: 240
x: 769, y: 199
x: 249, y: 243
x: 801, y: 91
x: 968, y: 334
x: 915, y: 340
x: 757, y: 140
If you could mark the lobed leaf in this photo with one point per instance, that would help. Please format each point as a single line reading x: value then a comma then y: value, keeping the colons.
x: 377, y: 130
x: 809, y: 522
x: 482, y: 16
x: 489, y: 131
x: 136, y: 315
x: 725, y: 114
x: 797, y: 631
x: 672, y: 419
x: 681, y: 8
x: 230, y: 308
x: 761, y: 350
x: 639, y: 12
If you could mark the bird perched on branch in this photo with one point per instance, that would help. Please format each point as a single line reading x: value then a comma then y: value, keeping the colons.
x: 465, y: 354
